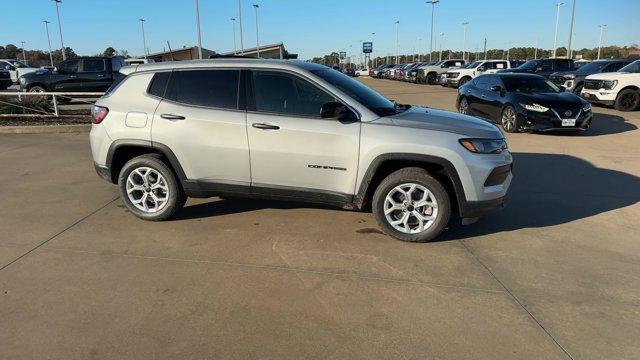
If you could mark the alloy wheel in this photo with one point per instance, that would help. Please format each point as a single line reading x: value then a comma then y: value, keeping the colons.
x: 509, y: 119
x: 147, y: 189
x: 410, y: 208
x: 463, y: 108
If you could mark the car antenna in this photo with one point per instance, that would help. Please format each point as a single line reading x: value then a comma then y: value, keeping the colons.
x: 170, y: 52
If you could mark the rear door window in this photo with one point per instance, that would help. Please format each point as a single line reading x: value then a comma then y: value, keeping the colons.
x: 216, y: 88
x: 561, y: 65
x: 159, y: 83
x: 93, y: 65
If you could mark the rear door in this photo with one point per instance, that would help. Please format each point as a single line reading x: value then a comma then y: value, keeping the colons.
x: 203, y: 122
x: 94, y: 75
x: 293, y: 149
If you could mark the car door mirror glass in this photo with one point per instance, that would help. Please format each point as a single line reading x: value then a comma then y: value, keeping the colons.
x: 481, y: 69
x: 496, y: 88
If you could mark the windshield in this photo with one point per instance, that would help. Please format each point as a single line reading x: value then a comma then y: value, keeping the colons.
x: 531, y: 64
x: 359, y: 92
x: 18, y: 64
x: 593, y: 67
x: 529, y: 84
x: 634, y: 67
x: 472, y: 65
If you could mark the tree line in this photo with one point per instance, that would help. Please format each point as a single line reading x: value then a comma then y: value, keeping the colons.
x: 39, y: 58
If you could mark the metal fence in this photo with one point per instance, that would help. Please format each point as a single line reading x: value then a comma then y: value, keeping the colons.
x: 55, y: 96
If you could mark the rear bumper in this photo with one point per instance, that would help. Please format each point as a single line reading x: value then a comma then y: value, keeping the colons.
x: 103, y: 171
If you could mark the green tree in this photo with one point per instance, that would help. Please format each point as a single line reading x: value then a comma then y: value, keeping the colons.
x: 109, y: 51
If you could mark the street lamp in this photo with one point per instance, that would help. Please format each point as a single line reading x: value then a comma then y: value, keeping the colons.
x: 64, y: 55
x: 24, y: 55
x: 441, y: 41
x: 397, y: 42
x: 600, y: 41
x: 573, y: 14
x: 235, y: 47
x: 144, y: 40
x: 256, y: 6
x: 46, y: 27
x: 433, y: 7
x: 240, y: 19
x: 464, y: 48
x: 555, y: 36
x: 198, y: 29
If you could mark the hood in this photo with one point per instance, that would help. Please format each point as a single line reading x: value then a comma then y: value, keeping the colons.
x: 564, y: 100
x: 36, y: 73
x: 613, y: 76
x: 439, y: 120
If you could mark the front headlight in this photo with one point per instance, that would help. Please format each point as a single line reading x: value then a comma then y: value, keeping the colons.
x: 484, y: 146
x: 569, y: 76
x: 535, y: 107
x: 609, y: 84
x: 22, y: 80
x: 586, y: 108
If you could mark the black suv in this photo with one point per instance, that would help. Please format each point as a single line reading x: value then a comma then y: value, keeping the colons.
x: 83, y: 74
x: 543, y: 67
x: 573, y: 81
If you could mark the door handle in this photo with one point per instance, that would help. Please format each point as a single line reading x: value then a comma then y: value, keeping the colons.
x: 73, y: 76
x: 100, y: 75
x: 483, y: 95
x: 264, y: 126
x: 172, y: 117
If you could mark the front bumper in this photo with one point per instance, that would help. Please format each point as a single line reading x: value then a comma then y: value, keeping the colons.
x: 476, y: 209
x: 604, y: 97
x: 551, y: 121
x: 453, y: 82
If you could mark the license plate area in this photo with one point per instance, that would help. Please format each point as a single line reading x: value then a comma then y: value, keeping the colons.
x: 568, y: 122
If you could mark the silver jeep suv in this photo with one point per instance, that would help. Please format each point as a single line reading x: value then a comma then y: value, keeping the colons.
x: 292, y: 130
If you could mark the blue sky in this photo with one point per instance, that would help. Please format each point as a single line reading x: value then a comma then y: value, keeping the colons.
x: 313, y: 28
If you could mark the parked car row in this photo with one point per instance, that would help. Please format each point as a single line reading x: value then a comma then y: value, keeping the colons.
x: 611, y: 82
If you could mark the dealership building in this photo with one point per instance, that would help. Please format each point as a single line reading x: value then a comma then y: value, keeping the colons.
x: 273, y: 51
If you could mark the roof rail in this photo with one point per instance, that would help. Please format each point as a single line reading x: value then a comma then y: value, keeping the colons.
x: 221, y: 56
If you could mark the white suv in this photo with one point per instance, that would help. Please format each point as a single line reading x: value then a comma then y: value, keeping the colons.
x: 459, y: 77
x: 620, y: 89
x: 293, y: 131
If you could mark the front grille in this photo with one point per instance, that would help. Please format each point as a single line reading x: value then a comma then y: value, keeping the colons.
x: 558, y: 80
x: 593, y: 84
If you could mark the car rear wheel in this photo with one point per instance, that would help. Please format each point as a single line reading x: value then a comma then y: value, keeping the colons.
x: 150, y: 189
x: 431, y: 79
x: 509, y: 120
x: 412, y: 206
x: 627, y: 100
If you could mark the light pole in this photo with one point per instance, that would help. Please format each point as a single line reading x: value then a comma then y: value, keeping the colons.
x: 441, y: 41
x: 433, y: 8
x: 197, y: 3
x: 235, y: 47
x: 24, y: 55
x: 64, y: 55
x: 599, y: 41
x: 46, y: 27
x: 144, y: 40
x: 397, y: 42
x: 240, y: 18
x: 256, y: 6
x: 573, y: 14
x: 373, y: 39
x: 555, y: 36
x: 464, y: 48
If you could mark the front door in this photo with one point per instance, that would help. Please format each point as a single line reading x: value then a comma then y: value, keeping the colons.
x: 294, y: 150
x: 200, y: 120
x: 94, y: 75
x: 67, y: 78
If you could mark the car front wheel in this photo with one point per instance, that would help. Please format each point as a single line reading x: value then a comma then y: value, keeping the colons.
x: 627, y: 100
x: 509, y: 120
x: 463, y: 106
x: 150, y: 189
x: 410, y: 205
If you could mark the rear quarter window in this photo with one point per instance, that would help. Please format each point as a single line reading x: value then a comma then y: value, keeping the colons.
x: 158, y: 84
x: 216, y: 88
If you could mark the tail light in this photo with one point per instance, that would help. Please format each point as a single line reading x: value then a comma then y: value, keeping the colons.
x: 98, y: 113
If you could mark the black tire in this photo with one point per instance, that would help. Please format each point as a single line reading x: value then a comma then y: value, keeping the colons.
x: 175, y: 199
x: 431, y: 79
x: 578, y: 89
x: 463, y: 106
x: 463, y: 81
x: 627, y: 100
x: 516, y: 125
x: 421, y: 177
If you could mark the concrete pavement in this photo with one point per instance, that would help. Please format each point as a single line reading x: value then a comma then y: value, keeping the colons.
x: 556, y: 275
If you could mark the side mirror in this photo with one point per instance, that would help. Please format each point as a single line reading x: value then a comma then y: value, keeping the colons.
x: 496, y: 88
x: 443, y: 66
x: 7, y: 67
x: 481, y: 69
x: 335, y: 110
x: 538, y: 69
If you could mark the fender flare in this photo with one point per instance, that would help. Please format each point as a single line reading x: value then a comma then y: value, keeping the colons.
x: 154, y: 146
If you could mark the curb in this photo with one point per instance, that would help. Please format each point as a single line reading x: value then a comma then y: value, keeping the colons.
x: 45, y: 129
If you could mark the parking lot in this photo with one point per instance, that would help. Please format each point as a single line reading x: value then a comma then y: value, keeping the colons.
x: 555, y: 275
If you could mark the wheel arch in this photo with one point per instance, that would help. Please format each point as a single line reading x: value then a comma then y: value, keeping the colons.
x: 42, y: 85
x: 123, y: 150
x: 385, y: 164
